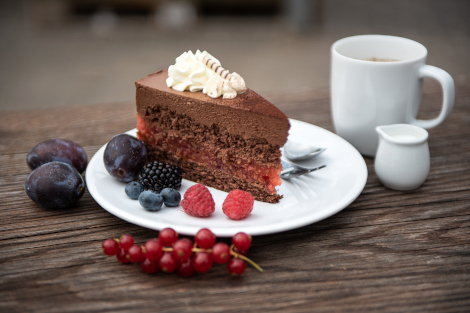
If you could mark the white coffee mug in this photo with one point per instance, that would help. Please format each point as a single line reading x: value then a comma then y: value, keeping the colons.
x: 366, y: 93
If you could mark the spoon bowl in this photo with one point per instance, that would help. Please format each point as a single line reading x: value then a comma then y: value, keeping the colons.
x: 296, y: 151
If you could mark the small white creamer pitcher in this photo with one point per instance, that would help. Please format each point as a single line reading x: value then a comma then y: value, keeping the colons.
x: 402, y: 161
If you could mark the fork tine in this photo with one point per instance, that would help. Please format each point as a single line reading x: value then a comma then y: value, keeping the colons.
x: 296, y: 172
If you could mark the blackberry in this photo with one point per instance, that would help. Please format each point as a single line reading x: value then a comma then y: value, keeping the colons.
x: 159, y: 175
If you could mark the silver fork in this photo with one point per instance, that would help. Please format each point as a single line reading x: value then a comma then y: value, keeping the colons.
x: 291, y: 171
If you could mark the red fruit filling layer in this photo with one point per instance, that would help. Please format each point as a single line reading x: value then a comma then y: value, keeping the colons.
x: 210, y: 157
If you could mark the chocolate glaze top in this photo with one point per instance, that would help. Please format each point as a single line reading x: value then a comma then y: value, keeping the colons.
x: 248, y: 115
x: 249, y: 101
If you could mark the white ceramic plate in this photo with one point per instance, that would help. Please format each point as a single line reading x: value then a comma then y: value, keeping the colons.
x: 307, y: 199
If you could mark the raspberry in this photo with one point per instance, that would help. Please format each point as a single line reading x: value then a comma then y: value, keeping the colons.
x: 238, y: 204
x: 198, y: 201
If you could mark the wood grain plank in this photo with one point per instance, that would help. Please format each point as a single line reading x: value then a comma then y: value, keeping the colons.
x: 388, y: 251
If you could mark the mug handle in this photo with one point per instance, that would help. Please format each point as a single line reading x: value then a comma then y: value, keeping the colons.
x: 448, y: 90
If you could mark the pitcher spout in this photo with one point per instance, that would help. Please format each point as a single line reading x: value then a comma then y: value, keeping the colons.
x: 403, y: 134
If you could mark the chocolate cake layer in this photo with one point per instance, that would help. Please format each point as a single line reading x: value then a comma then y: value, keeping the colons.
x: 248, y: 115
x: 230, y: 147
x: 201, y: 174
x: 213, y: 147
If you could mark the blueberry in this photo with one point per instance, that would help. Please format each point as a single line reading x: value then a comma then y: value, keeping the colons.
x: 55, y: 185
x: 171, y: 197
x: 134, y: 189
x: 150, y: 200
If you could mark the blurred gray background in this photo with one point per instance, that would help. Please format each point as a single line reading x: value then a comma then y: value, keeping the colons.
x: 71, y: 52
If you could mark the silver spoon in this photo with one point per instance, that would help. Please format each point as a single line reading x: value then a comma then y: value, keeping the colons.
x: 296, y: 151
x: 291, y: 171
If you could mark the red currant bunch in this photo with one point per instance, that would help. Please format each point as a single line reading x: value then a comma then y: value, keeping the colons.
x: 170, y: 253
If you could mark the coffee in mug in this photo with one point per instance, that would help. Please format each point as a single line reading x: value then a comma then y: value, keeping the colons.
x: 381, y: 60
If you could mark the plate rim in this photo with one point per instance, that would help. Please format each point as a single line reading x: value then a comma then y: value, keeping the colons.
x: 253, y: 230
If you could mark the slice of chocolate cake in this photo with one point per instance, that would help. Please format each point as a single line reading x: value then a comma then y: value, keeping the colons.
x: 222, y: 143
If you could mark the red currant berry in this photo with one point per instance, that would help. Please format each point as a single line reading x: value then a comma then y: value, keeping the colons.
x: 221, y: 253
x: 236, y: 266
x: 241, y: 241
x: 135, y: 254
x: 183, y: 249
x: 126, y: 241
x: 149, y: 267
x: 204, y: 238
x: 168, y: 263
x: 186, y: 269
x: 122, y: 256
x: 168, y: 237
x: 243, y: 252
x: 153, y: 249
x: 202, y: 262
x: 110, y: 247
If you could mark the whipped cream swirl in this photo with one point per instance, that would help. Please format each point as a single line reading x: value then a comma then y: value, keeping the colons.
x: 201, y: 71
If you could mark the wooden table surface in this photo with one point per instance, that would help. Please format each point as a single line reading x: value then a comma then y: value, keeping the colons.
x: 388, y: 251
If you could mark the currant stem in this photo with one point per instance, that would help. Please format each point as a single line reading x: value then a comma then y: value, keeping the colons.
x: 244, y: 258
x: 202, y: 250
x: 169, y: 249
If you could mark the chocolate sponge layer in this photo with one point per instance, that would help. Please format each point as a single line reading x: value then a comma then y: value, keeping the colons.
x: 230, y: 147
x: 201, y: 174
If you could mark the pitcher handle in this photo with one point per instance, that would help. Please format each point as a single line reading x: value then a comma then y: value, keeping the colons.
x: 448, y: 90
